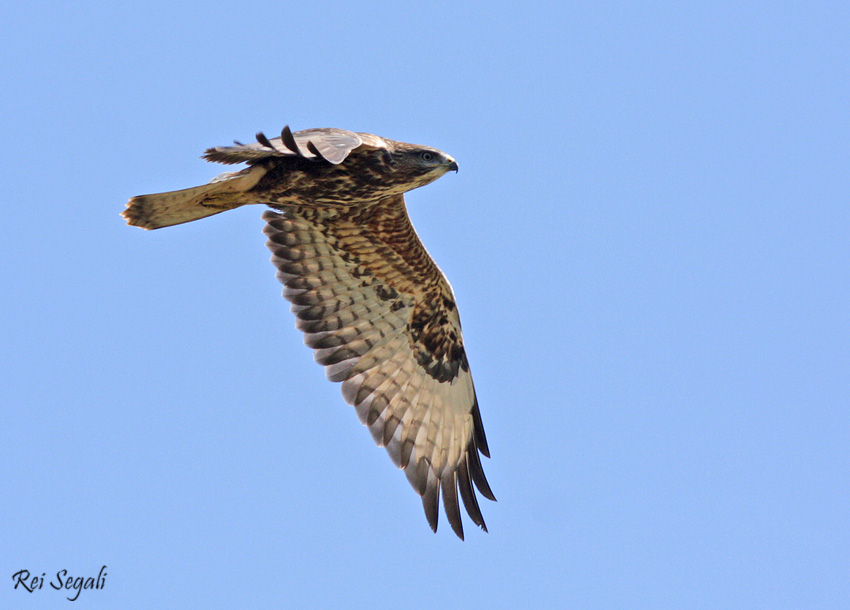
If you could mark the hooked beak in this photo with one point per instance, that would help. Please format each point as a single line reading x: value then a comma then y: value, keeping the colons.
x: 452, y: 165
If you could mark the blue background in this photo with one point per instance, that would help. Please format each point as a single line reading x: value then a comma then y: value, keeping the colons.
x: 648, y: 240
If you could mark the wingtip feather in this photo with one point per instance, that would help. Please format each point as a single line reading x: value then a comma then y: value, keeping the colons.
x: 450, y: 503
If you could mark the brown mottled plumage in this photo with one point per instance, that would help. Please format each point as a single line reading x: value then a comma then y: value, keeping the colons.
x: 374, y: 306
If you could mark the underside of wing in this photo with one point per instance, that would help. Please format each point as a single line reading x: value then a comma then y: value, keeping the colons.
x: 402, y: 369
x: 326, y: 144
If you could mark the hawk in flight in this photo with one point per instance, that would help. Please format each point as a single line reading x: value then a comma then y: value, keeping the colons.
x: 371, y: 302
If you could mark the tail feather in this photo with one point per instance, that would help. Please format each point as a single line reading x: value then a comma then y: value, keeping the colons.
x: 176, y: 207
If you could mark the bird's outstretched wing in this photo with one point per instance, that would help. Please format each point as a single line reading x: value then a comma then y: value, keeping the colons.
x: 324, y: 144
x: 383, y: 321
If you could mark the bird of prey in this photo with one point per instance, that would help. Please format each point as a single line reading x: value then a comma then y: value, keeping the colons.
x: 371, y: 302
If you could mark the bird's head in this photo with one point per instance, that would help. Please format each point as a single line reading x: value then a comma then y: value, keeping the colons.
x: 412, y: 165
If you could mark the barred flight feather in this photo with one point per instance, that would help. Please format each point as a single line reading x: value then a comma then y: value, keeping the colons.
x: 347, y: 302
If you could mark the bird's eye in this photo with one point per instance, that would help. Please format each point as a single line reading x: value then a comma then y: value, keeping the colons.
x: 426, y: 155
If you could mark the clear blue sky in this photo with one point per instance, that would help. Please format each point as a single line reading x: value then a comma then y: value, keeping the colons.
x: 648, y: 240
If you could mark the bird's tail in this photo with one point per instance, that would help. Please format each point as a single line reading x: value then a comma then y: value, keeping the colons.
x: 225, y: 192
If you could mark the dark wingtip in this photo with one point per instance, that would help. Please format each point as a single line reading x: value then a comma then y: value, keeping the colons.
x: 448, y: 485
x: 289, y: 141
x: 477, y: 473
x: 312, y: 148
x: 262, y: 139
x: 210, y: 154
x: 431, y: 504
x: 467, y: 494
x: 478, y: 430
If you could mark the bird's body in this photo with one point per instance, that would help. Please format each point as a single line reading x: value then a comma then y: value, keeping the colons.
x: 371, y: 301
